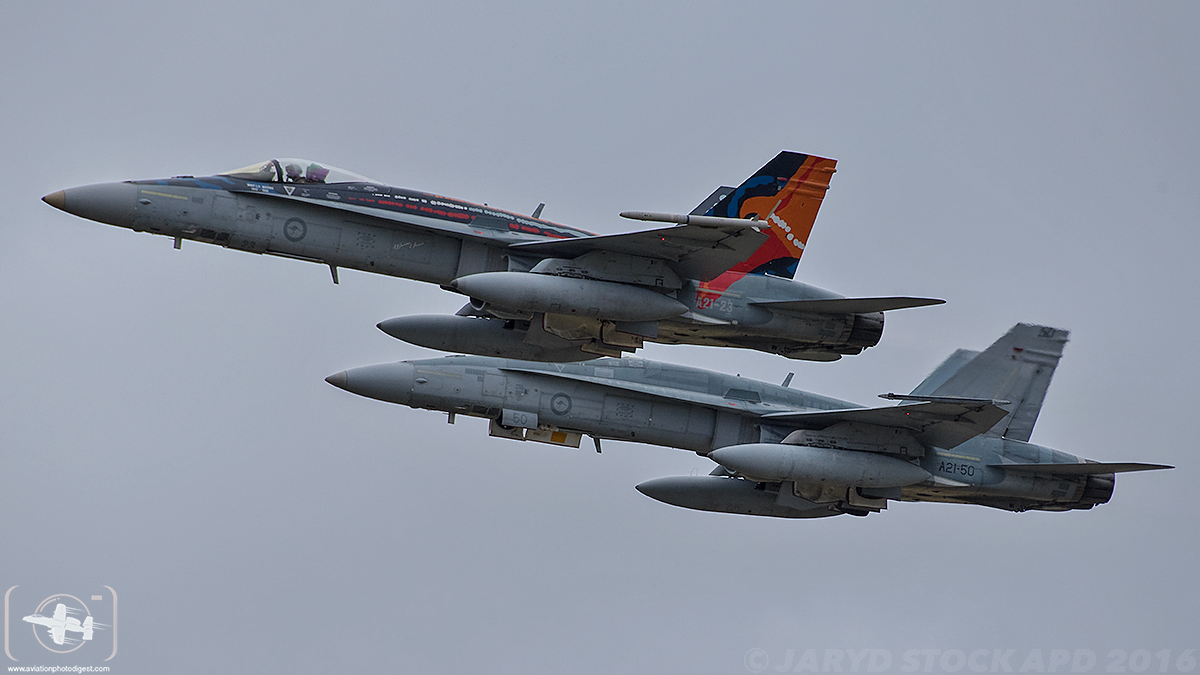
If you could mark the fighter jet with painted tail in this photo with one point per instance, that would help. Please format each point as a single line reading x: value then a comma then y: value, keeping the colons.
x: 720, y: 276
x: 962, y: 436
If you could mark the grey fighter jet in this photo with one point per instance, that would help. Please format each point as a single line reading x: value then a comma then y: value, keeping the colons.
x: 720, y: 276
x: 962, y: 436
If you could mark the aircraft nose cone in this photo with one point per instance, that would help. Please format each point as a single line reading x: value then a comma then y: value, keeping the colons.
x: 391, y: 382
x: 751, y: 460
x: 759, y: 460
x: 397, y: 328
x: 663, y: 489
x: 56, y: 199
x: 338, y: 380
x: 110, y: 203
x: 707, y: 493
x: 426, y: 330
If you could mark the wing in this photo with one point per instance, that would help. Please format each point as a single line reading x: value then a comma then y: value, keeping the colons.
x: 60, y: 612
x: 1081, y: 469
x: 848, y: 305
x: 700, y: 252
x: 938, y: 423
x: 58, y: 633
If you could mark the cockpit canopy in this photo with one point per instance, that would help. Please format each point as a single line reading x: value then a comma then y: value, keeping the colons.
x: 292, y: 170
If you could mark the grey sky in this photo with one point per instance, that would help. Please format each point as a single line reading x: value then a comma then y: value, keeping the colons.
x: 165, y: 428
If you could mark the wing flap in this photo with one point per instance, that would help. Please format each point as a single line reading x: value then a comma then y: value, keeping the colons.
x: 848, y: 305
x: 937, y: 423
x: 1081, y: 469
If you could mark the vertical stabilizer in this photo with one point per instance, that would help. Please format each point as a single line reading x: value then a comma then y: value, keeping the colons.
x: 944, y: 372
x: 786, y: 194
x: 1016, y: 368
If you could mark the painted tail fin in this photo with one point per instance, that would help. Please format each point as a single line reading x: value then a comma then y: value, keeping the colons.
x: 1016, y: 368
x: 786, y: 193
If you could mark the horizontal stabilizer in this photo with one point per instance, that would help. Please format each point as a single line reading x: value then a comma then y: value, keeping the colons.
x: 936, y: 423
x: 848, y: 305
x: 1084, y: 469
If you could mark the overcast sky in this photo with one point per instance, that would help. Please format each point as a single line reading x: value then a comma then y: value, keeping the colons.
x: 165, y: 428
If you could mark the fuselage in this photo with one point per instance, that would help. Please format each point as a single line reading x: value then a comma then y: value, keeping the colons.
x: 698, y: 410
x: 361, y: 226
x: 375, y: 228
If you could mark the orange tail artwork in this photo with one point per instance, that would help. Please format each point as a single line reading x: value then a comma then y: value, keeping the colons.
x: 786, y: 194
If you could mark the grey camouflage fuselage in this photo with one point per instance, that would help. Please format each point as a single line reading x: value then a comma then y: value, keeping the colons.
x: 952, y: 448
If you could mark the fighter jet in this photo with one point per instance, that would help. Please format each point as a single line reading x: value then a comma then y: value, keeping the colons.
x: 962, y: 436
x: 721, y: 275
x: 60, y: 623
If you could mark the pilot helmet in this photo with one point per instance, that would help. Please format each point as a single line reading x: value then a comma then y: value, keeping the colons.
x: 317, y: 173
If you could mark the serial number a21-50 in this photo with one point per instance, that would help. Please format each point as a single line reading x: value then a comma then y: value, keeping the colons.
x: 954, y: 468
